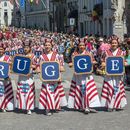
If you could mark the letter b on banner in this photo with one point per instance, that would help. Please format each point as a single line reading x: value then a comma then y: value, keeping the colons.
x: 82, y: 64
x: 114, y: 65
x: 21, y: 65
x: 50, y: 71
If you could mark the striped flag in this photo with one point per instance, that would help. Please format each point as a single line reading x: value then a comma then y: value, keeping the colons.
x: 22, y: 3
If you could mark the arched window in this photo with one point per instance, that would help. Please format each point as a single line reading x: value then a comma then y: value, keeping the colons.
x: 5, y: 4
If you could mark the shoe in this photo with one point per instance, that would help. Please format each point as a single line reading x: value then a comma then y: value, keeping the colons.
x: 56, y: 111
x: 110, y: 110
x: 81, y: 110
x: 93, y: 111
x: 48, y: 113
x: 119, y: 109
x: 29, y: 112
x: 86, y: 111
x: 4, y: 110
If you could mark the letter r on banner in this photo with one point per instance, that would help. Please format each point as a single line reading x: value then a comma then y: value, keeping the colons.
x: 4, y: 70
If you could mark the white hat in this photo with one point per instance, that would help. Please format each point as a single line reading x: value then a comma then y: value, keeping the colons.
x: 100, y: 39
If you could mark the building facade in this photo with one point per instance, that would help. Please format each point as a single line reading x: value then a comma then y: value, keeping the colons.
x: 72, y: 16
x: 127, y: 15
x: 6, y: 10
x: 34, y: 15
x: 110, y: 17
x: 46, y: 14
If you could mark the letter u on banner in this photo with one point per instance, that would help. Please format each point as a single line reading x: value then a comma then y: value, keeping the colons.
x: 21, y: 65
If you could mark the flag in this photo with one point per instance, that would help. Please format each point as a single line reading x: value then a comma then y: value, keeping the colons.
x: 22, y: 3
x: 11, y: 1
x: 31, y: 1
x: 44, y: 4
x: 37, y: 2
x: 94, y: 15
x: 17, y: 3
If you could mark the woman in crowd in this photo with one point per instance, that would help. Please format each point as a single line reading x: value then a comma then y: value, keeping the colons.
x: 113, y: 93
x: 25, y: 98
x: 52, y: 95
x: 6, y: 90
x: 83, y: 93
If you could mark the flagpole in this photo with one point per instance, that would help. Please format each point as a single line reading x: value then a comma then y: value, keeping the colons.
x: 25, y: 15
x: 43, y: 4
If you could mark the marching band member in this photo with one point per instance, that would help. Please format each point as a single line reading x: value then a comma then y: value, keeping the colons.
x: 52, y: 95
x: 113, y: 93
x: 83, y: 93
x: 6, y: 90
x: 25, y: 98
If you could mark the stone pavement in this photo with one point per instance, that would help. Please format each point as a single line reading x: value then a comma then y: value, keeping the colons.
x: 68, y: 119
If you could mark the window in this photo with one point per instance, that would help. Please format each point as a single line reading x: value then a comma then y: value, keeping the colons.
x: 5, y: 14
x: 5, y: 4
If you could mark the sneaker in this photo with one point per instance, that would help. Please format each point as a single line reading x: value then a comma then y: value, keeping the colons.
x: 119, y: 109
x: 29, y: 112
x: 110, y: 110
x: 4, y: 110
x: 48, y: 113
x: 86, y: 111
x: 93, y: 110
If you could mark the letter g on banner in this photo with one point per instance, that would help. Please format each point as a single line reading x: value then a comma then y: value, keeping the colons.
x: 50, y: 71
x: 82, y: 64
x: 21, y: 65
x: 79, y: 63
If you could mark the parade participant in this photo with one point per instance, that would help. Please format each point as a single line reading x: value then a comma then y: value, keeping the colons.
x: 25, y: 98
x: 83, y: 93
x: 127, y: 58
x: 6, y: 90
x: 52, y: 96
x: 113, y: 93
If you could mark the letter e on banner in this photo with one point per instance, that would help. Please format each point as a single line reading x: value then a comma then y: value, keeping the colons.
x: 115, y: 65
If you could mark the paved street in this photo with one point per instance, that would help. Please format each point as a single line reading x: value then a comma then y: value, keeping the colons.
x: 66, y: 120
